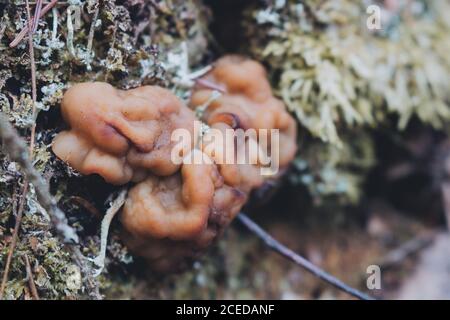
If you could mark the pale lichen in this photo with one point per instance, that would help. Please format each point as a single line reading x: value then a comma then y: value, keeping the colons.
x: 342, y: 80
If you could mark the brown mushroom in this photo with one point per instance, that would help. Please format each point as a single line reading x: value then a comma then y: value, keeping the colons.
x: 175, y: 210
x: 248, y: 96
x: 245, y: 174
x: 120, y: 135
x: 246, y: 102
x: 182, y: 214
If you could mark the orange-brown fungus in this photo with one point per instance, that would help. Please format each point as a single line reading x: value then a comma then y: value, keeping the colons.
x: 184, y: 212
x: 246, y: 176
x: 120, y: 135
x: 174, y: 211
x: 247, y: 102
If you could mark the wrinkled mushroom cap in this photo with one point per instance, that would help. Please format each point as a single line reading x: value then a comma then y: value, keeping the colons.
x: 248, y: 96
x: 247, y: 102
x: 175, y: 210
x: 120, y: 134
x: 169, y: 220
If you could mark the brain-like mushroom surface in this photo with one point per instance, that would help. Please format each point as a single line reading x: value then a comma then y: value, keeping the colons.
x: 182, y: 213
x: 244, y: 175
x: 246, y: 102
x: 176, y: 210
x: 120, y: 135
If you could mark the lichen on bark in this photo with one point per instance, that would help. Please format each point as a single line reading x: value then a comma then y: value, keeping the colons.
x: 126, y: 43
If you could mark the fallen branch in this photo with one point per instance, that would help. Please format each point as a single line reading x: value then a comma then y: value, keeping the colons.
x: 299, y: 260
x: 17, y: 150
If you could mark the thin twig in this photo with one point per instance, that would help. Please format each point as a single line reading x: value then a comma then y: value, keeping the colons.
x: 17, y: 151
x: 33, y: 289
x: 210, y: 85
x: 33, y: 81
x: 24, y: 31
x: 299, y: 260
x: 11, y: 248
x: 407, y: 249
x: 87, y: 205
x: 37, y: 15
x: 92, y: 30
x: 13, y: 243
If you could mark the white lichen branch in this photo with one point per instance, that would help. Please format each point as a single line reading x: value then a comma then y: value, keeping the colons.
x: 184, y: 77
x: 200, y: 110
x: 114, y: 208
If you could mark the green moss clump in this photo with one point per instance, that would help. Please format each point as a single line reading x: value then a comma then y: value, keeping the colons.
x: 126, y: 43
x: 341, y: 79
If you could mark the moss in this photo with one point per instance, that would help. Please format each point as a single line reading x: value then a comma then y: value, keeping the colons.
x: 127, y: 43
x: 341, y: 80
x: 336, y: 172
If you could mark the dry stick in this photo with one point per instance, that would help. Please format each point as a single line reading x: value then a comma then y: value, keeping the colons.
x: 30, y: 278
x: 37, y: 15
x: 299, y: 260
x: 17, y: 151
x: 11, y: 246
x: 42, y: 190
x: 24, y: 31
x: 33, y: 80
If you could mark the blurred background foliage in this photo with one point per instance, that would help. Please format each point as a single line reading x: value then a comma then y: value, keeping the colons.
x: 343, y: 80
